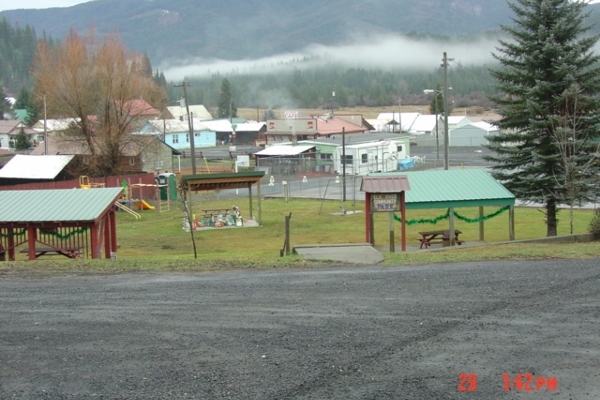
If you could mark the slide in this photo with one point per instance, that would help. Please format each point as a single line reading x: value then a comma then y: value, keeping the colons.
x: 142, y: 205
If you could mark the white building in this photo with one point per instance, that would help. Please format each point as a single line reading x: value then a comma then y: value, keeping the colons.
x: 363, y: 158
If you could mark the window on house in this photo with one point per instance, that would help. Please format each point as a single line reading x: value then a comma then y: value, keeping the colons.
x: 175, y: 138
x: 158, y: 165
x: 399, y: 148
x: 85, y: 160
x: 187, y: 137
x: 326, y: 156
x: 131, y: 160
x: 364, y: 158
x: 348, y: 159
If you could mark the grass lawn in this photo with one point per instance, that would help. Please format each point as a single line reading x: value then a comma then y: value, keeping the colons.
x: 158, y: 242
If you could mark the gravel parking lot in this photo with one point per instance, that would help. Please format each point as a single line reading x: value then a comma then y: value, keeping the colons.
x: 461, y: 331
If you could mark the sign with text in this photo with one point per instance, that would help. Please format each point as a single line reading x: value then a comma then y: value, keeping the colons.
x: 385, y: 202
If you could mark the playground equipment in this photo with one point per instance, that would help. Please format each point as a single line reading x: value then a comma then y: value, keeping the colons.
x: 84, y: 183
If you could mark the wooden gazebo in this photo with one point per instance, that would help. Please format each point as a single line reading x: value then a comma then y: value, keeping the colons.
x: 76, y: 223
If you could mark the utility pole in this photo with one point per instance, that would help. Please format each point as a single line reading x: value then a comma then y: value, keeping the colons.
x: 446, y: 138
x: 184, y: 85
x: 447, y: 143
x: 344, y: 163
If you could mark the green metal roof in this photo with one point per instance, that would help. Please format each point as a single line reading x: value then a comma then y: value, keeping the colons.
x: 56, y: 205
x: 454, y: 188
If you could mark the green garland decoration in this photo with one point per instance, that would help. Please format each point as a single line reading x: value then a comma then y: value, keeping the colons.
x: 457, y: 215
x: 65, y: 236
x: 13, y: 234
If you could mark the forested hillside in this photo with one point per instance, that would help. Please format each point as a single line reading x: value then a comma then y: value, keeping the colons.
x: 17, y: 48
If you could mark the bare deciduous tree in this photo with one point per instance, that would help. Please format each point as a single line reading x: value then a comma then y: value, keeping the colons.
x: 576, y: 174
x: 106, y: 90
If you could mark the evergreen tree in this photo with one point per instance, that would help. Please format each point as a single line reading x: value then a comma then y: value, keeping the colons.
x: 22, y: 141
x: 437, y: 102
x: 548, y: 56
x: 227, y: 108
x: 4, y: 105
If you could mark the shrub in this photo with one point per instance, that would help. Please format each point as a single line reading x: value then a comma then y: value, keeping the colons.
x: 595, y: 224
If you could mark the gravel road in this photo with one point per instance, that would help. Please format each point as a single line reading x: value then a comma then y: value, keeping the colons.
x: 446, y: 331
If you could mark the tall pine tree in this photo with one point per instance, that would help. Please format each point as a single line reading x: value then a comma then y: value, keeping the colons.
x: 227, y: 108
x: 548, y: 54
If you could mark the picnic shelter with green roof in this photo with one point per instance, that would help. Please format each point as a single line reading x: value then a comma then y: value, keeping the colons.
x: 76, y: 223
x: 457, y: 188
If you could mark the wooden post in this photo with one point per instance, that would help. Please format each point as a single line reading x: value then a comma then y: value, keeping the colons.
x: 403, y: 216
x: 391, y: 223
x: 368, y: 217
x: 259, y: 220
x: 481, y: 233
x: 511, y: 223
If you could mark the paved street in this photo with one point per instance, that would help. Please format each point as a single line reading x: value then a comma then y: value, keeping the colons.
x: 482, y: 330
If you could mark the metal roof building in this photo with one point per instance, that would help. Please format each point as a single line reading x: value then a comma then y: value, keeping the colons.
x: 75, y: 223
x: 35, y: 167
x: 457, y: 188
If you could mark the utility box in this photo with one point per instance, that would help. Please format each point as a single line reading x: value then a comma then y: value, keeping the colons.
x: 168, y: 192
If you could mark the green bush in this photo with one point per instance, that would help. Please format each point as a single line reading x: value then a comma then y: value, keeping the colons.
x: 595, y: 224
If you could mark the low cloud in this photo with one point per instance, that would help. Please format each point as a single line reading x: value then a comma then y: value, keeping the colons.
x: 383, y: 52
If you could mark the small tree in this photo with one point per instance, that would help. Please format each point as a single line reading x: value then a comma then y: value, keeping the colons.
x: 437, y: 102
x: 268, y: 114
x: 227, y: 108
x: 575, y: 177
x: 22, y: 141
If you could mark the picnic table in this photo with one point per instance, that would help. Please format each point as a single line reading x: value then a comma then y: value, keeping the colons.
x: 70, y: 252
x: 440, y: 236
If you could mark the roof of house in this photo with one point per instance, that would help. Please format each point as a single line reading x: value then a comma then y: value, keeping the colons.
x: 34, y: 167
x: 198, y: 112
x: 335, y: 125
x: 454, y: 188
x: 132, y: 145
x: 13, y: 127
x: 56, y: 205
x: 140, y: 108
x: 176, y: 125
x: 54, y: 124
x: 284, y: 150
x: 219, y: 125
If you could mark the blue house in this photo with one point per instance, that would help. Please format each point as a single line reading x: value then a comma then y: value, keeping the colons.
x: 175, y: 133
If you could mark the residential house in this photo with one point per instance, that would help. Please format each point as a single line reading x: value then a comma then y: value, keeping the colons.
x: 139, y: 153
x: 9, y: 129
x: 176, y: 133
x: 286, y: 130
x: 179, y: 112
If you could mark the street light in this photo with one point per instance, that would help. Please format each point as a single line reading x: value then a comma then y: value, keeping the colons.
x: 437, y: 139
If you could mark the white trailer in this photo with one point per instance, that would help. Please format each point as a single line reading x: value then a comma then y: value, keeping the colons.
x: 364, y: 158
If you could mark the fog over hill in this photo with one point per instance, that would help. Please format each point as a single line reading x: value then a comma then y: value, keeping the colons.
x: 185, y: 38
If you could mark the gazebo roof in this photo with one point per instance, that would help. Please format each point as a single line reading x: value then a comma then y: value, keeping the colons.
x: 69, y: 205
x: 234, y: 180
x: 454, y: 188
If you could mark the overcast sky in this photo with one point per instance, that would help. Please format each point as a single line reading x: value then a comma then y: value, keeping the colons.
x: 17, y: 4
